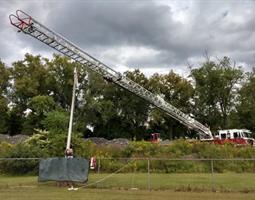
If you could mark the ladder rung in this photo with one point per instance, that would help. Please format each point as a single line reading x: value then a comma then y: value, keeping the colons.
x: 76, y: 56
x: 45, y: 39
x: 72, y: 53
x: 80, y: 59
x: 65, y: 51
x: 37, y: 36
x: 61, y: 48
x: 52, y: 41
x: 76, y: 59
x: 42, y: 38
x: 55, y: 46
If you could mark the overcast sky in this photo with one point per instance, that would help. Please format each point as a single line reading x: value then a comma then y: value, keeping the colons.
x: 152, y: 35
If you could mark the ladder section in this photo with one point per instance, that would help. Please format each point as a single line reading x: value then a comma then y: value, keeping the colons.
x: 30, y: 26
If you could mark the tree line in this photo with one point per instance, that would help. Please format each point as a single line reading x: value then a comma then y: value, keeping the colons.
x: 35, y: 93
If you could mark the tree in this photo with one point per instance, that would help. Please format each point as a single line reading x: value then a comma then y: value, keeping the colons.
x: 246, y: 107
x: 4, y: 117
x: 60, y: 79
x: 39, y: 106
x: 177, y: 91
x: 112, y: 111
x: 56, y: 122
x: 133, y: 110
x: 216, y: 86
x: 30, y: 79
x: 39, y: 86
x: 4, y: 86
x: 4, y: 79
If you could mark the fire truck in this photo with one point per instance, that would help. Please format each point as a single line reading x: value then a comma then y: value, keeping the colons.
x: 234, y: 136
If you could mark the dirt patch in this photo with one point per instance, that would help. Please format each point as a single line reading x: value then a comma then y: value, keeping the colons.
x: 103, y: 141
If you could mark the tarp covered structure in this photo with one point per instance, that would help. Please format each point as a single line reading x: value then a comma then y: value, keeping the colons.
x: 63, y: 169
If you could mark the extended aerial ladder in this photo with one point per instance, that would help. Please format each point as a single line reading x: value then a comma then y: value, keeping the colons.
x: 28, y: 25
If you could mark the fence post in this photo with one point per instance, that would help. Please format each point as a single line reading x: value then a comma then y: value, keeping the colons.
x: 149, y: 179
x: 99, y: 165
x: 212, y: 176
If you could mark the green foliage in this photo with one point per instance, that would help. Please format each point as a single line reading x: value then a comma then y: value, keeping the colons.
x: 113, y: 111
x: 35, y: 93
x: 4, y: 78
x: 30, y: 79
x: 34, y: 87
x: 216, y: 86
x: 4, y: 117
x: 21, y: 166
x: 40, y: 139
x: 178, y: 149
x: 4, y: 85
x: 4, y: 148
x: 246, y: 108
x: 179, y: 92
x: 54, y: 143
x: 15, y: 121
x: 41, y: 105
x: 44, y: 144
x: 57, y: 145
x: 60, y: 79
x: 141, y: 149
x: 56, y: 122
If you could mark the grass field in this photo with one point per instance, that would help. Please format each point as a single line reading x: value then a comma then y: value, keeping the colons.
x: 199, y: 182
x: 164, y: 186
x: 97, y: 194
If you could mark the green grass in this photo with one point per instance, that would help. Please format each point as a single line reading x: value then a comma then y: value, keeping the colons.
x: 164, y: 186
x: 96, y: 194
x: 221, y: 182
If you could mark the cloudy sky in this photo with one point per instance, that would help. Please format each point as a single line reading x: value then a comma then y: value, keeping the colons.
x: 152, y: 35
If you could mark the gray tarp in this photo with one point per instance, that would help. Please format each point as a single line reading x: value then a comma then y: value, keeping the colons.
x: 63, y: 169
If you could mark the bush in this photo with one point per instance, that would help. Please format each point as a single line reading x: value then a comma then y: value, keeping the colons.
x: 56, y: 121
x: 4, y: 148
x: 141, y: 149
x: 50, y: 144
x: 18, y: 167
x: 178, y: 149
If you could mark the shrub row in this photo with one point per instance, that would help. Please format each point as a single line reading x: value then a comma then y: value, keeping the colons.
x: 41, y: 146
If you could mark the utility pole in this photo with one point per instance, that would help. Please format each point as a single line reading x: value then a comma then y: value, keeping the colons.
x: 75, y: 82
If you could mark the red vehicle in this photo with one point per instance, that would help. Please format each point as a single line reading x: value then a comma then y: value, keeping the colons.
x: 155, y: 137
x: 235, y: 136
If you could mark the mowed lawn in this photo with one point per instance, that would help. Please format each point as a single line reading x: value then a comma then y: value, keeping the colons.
x: 104, y: 194
x: 196, y: 181
x: 134, y: 186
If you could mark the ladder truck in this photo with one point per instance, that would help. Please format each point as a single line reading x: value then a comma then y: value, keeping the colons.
x: 28, y: 25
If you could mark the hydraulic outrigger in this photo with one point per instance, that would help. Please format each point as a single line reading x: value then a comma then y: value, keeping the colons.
x: 28, y: 25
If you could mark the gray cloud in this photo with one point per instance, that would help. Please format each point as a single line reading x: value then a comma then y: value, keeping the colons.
x: 145, y: 34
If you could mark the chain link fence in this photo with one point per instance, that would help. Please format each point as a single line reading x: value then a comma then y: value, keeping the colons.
x: 157, y: 173
x: 178, y: 174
